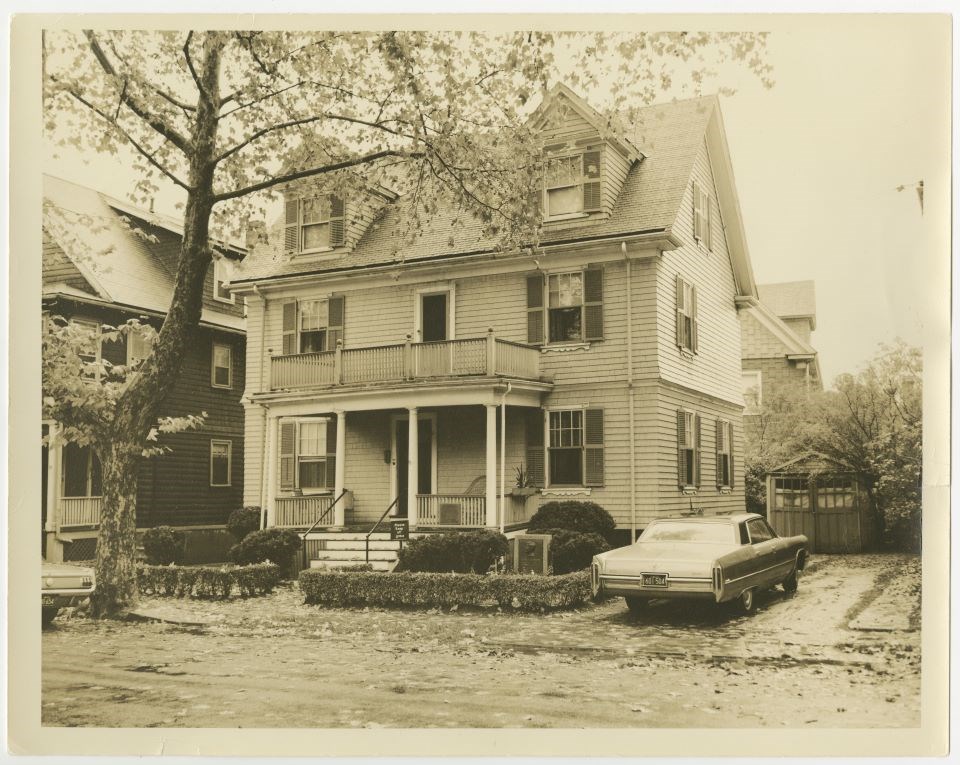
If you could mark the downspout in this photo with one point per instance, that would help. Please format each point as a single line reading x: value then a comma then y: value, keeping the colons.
x: 503, y: 457
x: 630, y: 404
x: 264, y: 489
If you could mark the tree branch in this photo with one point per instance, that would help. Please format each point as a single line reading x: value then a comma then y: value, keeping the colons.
x: 295, y: 176
x: 186, y: 55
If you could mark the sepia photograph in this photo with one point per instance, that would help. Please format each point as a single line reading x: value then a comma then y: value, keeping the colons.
x: 483, y: 373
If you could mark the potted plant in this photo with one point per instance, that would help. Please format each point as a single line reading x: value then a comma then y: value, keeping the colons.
x: 522, y: 487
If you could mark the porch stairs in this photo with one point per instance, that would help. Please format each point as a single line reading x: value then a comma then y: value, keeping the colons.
x: 339, y: 549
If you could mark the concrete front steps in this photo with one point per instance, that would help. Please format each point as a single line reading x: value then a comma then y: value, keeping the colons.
x: 338, y: 549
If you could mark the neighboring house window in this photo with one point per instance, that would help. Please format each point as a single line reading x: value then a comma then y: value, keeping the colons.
x: 701, y: 215
x: 688, y: 449
x: 90, y: 351
x: 570, y: 311
x: 221, y: 453
x: 221, y: 373
x: 222, y: 273
x: 313, y: 325
x: 572, y: 184
x: 82, y: 473
x: 576, y: 447
x: 752, y: 391
x: 791, y: 493
x: 138, y: 347
x: 836, y: 493
x: 724, y: 454
x: 313, y: 224
x: 307, y: 454
x: 687, y: 330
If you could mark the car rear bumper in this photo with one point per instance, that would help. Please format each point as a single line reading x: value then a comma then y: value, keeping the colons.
x: 676, y: 587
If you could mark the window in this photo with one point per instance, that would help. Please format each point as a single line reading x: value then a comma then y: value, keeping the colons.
x: 90, y: 351
x: 307, y: 454
x: 222, y: 273
x: 791, y: 493
x: 572, y: 185
x: 220, y: 459
x: 686, y: 316
x: 82, y: 474
x: 752, y: 391
x: 701, y: 215
x: 759, y: 531
x: 566, y: 307
x: 313, y: 325
x: 221, y: 366
x: 139, y: 346
x: 836, y: 493
x: 313, y: 224
x: 724, y: 454
x: 576, y: 447
x: 688, y: 449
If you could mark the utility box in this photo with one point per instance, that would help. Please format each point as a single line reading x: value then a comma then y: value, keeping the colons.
x: 529, y: 554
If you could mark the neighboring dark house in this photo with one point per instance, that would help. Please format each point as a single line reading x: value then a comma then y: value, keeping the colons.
x: 105, y: 262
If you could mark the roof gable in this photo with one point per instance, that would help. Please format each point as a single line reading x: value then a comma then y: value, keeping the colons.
x: 774, y: 326
x: 791, y: 300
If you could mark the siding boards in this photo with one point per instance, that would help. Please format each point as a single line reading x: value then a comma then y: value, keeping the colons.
x: 58, y: 268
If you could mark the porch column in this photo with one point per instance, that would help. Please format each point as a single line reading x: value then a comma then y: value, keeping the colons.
x: 491, y: 520
x: 339, y: 511
x: 54, y: 457
x: 413, y: 467
x: 270, y: 488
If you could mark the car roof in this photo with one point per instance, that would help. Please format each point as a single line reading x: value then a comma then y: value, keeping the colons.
x: 732, y: 518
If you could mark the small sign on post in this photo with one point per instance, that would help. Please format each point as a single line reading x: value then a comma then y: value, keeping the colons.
x: 400, y: 530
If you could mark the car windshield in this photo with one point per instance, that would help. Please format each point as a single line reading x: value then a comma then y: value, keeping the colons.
x: 686, y: 531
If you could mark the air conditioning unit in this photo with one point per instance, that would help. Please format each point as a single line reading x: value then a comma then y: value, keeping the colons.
x: 529, y: 554
x: 450, y: 514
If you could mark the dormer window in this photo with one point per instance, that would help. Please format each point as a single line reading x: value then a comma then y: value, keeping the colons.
x: 572, y: 185
x: 314, y: 224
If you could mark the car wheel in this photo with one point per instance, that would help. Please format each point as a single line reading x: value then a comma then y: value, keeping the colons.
x: 48, y: 614
x: 745, y: 601
x: 636, y: 605
x: 790, y: 583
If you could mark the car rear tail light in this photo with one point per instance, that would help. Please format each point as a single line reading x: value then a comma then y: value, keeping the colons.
x: 87, y: 581
x: 717, y: 579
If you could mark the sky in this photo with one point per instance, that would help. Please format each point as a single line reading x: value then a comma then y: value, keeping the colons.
x: 860, y: 107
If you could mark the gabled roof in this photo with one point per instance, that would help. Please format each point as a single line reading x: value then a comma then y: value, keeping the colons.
x: 120, y: 265
x: 793, y: 345
x: 811, y: 462
x: 791, y: 300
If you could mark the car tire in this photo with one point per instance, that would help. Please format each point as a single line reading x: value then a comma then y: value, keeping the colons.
x: 746, y: 602
x: 791, y: 582
x: 48, y: 614
x: 635, y: 604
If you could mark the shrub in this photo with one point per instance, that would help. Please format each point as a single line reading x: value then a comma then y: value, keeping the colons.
x: 573, y: 550
x: 523, y: 592
x: 206, y: 581
x: 274, y: 545
x: 163, y: 545
x: 463, y: 552
x: 573, y: 516
x: 243, y: 521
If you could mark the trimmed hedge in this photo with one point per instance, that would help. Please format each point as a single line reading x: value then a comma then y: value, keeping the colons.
x: 270, y: 545
x: 163, y: 545
x: 463, y: 552
x: 523, y: 592
x: 243, y: 521
x: 572, y: 515
x: 573, y: 550
x: 208, y: 582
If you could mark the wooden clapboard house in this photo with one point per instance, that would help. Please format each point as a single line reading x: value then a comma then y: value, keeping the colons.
x: 104, y: 262
x: 604, y: 366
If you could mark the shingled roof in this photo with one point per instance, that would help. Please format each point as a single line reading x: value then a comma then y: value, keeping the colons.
x: 790, y: 300
x: 669, y: 136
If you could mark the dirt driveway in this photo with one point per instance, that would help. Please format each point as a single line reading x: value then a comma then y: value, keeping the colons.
x: 843, y: 652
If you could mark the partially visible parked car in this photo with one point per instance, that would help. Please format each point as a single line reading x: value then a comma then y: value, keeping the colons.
x: 720, y: 558
x: 63, y: 585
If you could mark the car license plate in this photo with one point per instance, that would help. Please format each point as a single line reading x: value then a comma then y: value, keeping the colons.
x: 653, y: 580
x: 48, y: 600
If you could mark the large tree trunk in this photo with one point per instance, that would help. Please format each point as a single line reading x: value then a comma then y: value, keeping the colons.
x: 141, y: 404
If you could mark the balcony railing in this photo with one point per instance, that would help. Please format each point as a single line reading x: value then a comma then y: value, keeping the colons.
x: 483, y: 356
x: 79, y: 511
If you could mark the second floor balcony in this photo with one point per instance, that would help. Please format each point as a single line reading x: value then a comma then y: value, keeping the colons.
x: 477, y: 357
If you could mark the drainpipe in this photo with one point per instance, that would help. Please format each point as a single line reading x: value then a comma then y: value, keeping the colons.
x: 503, y: 456
x: 630, y: 404
x: 264, y: 488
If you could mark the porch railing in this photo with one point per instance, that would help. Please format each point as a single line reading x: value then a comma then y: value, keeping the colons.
x: 295, y: 512
x: 451, y: 510
x: 80, y: 511
x: 406, y: 361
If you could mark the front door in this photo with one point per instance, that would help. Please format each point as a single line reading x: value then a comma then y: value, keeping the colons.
x: 433, y: 318
x: 424, y: 460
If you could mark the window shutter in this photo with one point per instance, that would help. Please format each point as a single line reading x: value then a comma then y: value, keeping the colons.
x: 593, y: 304
x: 291, y: 229
x: 535, y: 450
x: 694, y: 332
x: 681, y: 449
x: 720, y: 433
x: 707, y: 221
x: 680, y: 308
x: 535, y: 309
x: 337, y: 233
x: 696, y: 450
x: 592, y: 199
x: 730, y: 450
x: 335, y: 319
x: 331, y: 466
x: 288, y: 456
x: 290, y: 327
x: 593, y: 447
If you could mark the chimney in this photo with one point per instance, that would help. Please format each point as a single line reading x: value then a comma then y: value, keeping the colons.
x: 256, y: 233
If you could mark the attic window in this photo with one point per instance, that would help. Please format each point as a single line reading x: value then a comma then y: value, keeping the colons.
x: 314, y: 224
x: 572, y: 185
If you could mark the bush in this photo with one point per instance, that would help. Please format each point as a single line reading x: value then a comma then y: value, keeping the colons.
x: 243, y: 521
x: 524, y: 592
x: 462, y: 552
x: 573, y: 516
x: 163, y: 545
x: 208, y: 582
x: 573, y: 550
x: 274, y: 545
